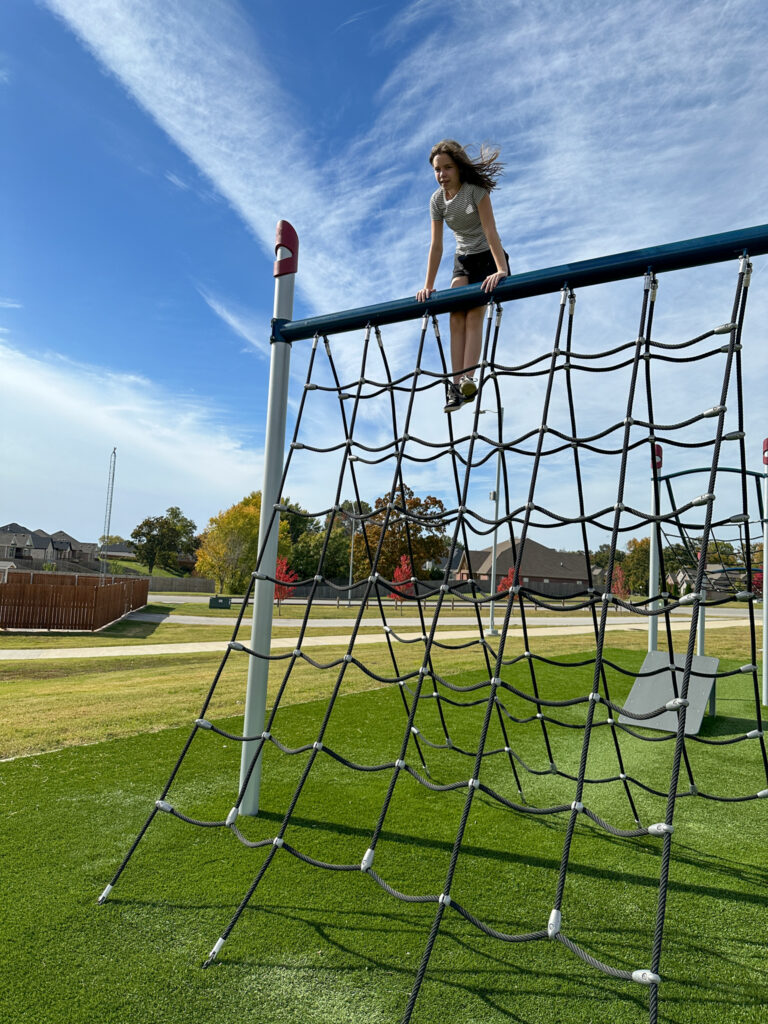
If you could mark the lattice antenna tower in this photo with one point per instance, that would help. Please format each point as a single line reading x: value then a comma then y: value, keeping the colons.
x: 108, y: 512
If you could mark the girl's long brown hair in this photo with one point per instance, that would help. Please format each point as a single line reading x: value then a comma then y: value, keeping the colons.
x: 484, y: 171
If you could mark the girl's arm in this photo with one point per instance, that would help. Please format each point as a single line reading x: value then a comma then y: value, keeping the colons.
x: 485, y: 211
x: 433, y: 261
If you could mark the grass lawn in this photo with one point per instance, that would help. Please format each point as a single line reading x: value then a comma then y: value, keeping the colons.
x: 319, y: 946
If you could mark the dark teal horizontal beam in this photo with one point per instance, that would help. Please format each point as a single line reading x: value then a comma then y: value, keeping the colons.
x: 693, y: 252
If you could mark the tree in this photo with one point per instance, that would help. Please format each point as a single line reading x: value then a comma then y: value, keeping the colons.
x: 509, y: 581
x: 284, y: 574
x: 113, y: 538
x: 402, y: 577
x: 307, y: 551
x: 229, y: 546
x: 635, y: 565
x: 424, y: 525
x: 161, y: 539
x: 619, y: 586
x: 757, y: 584
x: 601, y: 557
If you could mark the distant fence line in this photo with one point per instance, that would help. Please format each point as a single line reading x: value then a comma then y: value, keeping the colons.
x: 182, y: 584
x: 41, y: 600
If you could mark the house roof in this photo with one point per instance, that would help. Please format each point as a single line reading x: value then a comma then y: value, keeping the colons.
x: 537, y: 560
x: 14, y: 528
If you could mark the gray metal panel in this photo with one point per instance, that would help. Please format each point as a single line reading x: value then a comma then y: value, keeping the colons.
x: 650, y: 692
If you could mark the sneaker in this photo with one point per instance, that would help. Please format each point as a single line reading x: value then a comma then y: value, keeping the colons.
x: 453, y: 398
x: 468, y: 387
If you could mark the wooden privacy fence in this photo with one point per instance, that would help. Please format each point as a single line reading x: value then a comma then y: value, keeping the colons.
x: 68, y: 602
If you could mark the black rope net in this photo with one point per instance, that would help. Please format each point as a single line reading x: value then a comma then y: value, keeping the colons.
x: 489, y: 734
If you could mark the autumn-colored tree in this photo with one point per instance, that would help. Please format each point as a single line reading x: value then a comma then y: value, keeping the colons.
x: 229, y: 546
x: 509, y: 581
x: 757, y: 584
x: 284, y: 574
x: 402, y: 577
x: 425, y: 527
x: 619, y: 583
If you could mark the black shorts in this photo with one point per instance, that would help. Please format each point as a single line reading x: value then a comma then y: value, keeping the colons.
x: 476, y: 265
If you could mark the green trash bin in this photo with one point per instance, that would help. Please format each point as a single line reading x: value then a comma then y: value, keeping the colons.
x: 220, y: 602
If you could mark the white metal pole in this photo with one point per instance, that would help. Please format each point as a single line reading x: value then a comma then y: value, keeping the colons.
x: 287, y: 251
x: 653, y: 560
x: 491, y: 628
x: 765, y: 548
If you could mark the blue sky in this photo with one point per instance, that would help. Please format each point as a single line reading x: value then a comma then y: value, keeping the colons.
x: 155, y: 145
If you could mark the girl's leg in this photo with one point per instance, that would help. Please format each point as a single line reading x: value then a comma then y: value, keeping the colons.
x: 473, y: 338
x: 458, y: 334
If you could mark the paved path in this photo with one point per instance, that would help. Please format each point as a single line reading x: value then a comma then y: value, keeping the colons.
x: 288, y: 643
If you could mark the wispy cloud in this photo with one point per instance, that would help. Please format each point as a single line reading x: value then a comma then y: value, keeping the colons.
x: 10, y: 304
x: 81, y: 412
x: 248, y: 326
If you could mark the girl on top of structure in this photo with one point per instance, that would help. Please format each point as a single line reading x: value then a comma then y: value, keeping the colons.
x: 463, y: 202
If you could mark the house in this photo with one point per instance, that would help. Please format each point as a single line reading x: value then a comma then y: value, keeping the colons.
x: 4, y: 567
x: 541, y: 568
x: 40, y: 547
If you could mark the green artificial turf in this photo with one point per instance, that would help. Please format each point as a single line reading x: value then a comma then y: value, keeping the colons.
x: 321, y: 946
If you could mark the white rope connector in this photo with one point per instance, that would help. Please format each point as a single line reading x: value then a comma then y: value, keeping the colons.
x: 367, y: 860
x: 744, y: 595
x: 266, y: 735
x: 539, y: 715
x: 318, y: 578
x: 386, y: 629
x: 443, y: 588
x: 297, y: 652
x: 163, y: 805
x: 763, y: 794
x: 714, y: 411
x: 106, y: 893
x: 373, y: 577
x: 622, y: 776
x: 724, y: 329
x: 607, y: 597
x: 278, y: 842
x: 235, y: 645
x: 203, y: 723
x: 755, y: 734
x: 734, y: 435
x: 690, y: 598
x: 553, y: 925
x: 748, y: 668
x: 609, y: 721
x: 415, y: 731
x: 399, y: 763
x: 619, y: 506
x: 660, y: 829
x: 232, y: 817
x: 445, y: 899
x: 703, y: 499
x: 645, y: 977
x: 216, y: 949
x: 473, y: 783
x: 595, y: 697
x: 577, y: 805
x: 676, y: 703
x: 347, y: 658
x: 317, y: 745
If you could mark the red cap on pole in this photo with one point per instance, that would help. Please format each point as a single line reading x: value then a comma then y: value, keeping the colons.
x: 657, y: 459
x: 765, y: 451
x: 287, y: 238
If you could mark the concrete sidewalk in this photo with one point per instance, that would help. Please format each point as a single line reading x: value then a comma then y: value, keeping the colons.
x: 288, y: 643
